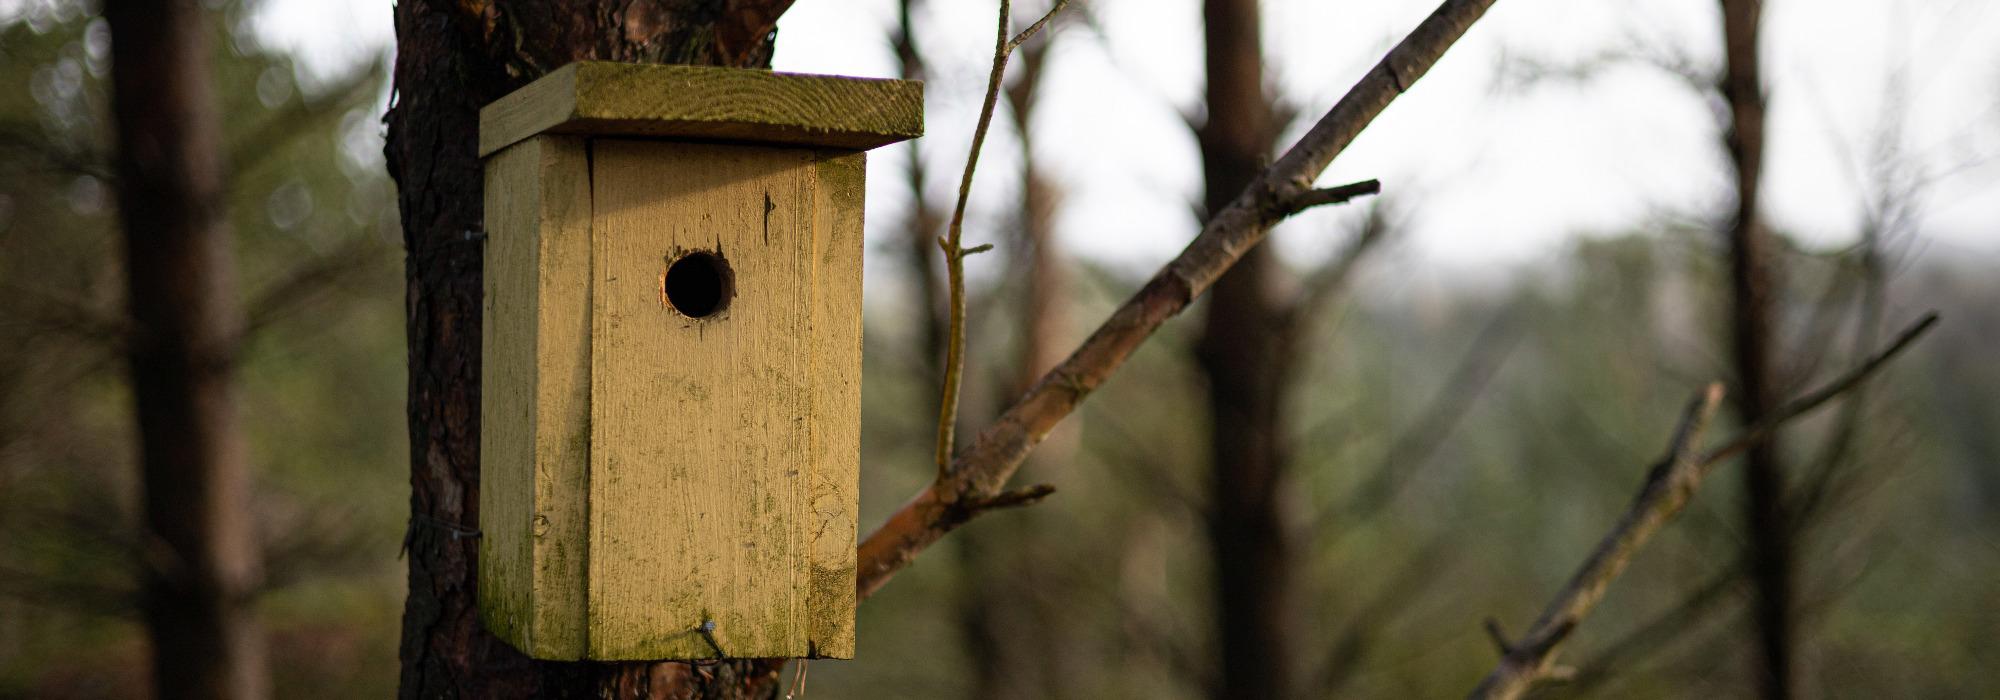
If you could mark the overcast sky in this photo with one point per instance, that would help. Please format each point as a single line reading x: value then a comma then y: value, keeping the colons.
x: 1492, y: 171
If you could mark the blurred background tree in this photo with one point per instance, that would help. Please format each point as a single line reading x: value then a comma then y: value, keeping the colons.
x: 307, y: 205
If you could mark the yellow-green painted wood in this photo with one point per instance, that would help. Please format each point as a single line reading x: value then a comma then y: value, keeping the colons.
x: 700, y: 102
x: 836, y: 405
x: 646, y: 474
x: 534, y: 414
x: 725, y: 448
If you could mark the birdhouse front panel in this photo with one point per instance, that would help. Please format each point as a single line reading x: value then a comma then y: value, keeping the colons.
x: 671, y: 380
x: 726, y: 400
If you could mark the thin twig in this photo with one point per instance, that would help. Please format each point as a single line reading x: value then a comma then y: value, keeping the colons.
x: 998, y: 450
x: 303, y: 283
x: 1498, y: 634
x: 1672, y: 624
x: 1416, y: 446
x: 1018, y: 498
x: 1035, y: 28
x: 1667, y: 489
x: 1362, y: 628
x: 954, y: 252
x: 1333, y: 195
x: 1826, y: 393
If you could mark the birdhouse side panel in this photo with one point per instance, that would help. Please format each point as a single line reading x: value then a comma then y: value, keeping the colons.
x: 838, y: 196
x: 703, y: 408
x: 534, y: 438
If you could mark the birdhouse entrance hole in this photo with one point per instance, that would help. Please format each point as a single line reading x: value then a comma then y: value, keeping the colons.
x: 670, y: 462
x: 698, y: 284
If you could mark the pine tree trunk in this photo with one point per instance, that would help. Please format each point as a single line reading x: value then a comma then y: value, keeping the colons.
x: 1753, y: 284
x: 200, y: 562
x: 1240, y: 354
x: 454, y: 56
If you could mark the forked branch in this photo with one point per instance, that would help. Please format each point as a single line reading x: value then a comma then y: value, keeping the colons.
x: 952, y: 242
x: 1667, y: 489
x: 980, y: 471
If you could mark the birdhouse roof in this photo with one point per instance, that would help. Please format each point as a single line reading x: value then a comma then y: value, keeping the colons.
x: 699, y: 102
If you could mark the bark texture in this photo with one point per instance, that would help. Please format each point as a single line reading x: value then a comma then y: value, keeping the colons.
x: 1753, y: 278
x: 1240, y: 355
x: 454, y: 56
x: 200, y: 560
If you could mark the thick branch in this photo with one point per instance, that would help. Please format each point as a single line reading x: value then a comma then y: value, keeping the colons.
x: 997, y: 451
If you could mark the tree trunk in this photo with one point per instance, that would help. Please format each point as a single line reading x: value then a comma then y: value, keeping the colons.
x: 924, y: 222
x: 200, y: 559
x: 1753, y: 284
x: 454, y: 56
x: 1043, y: 342
x: 1240, y: 355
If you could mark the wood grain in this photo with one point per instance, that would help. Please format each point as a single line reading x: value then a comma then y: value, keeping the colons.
x: 658, y: 486
x: 535, y: 413
x: 835, y: 494
x: 725, y: 447
x: 698, y: 102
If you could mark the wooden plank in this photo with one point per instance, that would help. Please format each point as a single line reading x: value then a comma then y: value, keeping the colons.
x: 534, y: 440
x: 836, y: 441
x: 562, y: 431
x: 706, y: 465
x: 507, y: 400
x: 700, y: 102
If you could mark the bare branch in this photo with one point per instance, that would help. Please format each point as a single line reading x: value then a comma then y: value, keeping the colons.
x: 954, y: 254
x: 77, y: 318
x: 40, y: 147
x: 1412, y: 450
x: 1363, y: 626
x: 1037, y: 27
x: 1673, y: 623
x: 1667, y: 489
x: 1820, y: 396
x: 309, y: 280
x: 998, y: 450
x: 1017, y: 498
x: 1499, y: 637
x: 1332, y: 195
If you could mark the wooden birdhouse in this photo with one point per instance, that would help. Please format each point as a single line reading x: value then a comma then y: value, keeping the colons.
x: 670, y: 422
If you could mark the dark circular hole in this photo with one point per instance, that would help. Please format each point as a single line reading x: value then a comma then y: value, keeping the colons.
x: 697, y: 285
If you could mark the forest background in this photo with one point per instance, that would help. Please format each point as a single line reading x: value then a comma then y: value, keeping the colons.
x: 1473, y: 405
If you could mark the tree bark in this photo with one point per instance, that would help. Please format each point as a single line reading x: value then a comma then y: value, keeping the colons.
x: 1240, y: 355
x: 1753, y: 286
x: 454, y: 56
x: 200, y: 559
